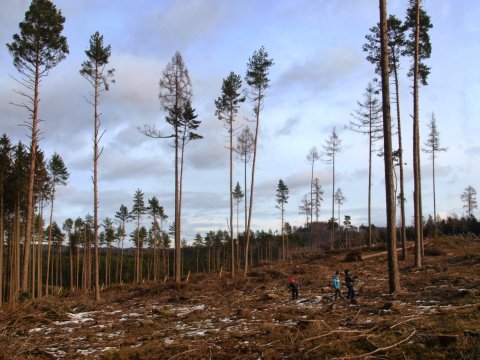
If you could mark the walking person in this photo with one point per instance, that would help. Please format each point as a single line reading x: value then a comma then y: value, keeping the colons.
x: 350, y: 282
x: 293, y: 285
x: 336, y: 285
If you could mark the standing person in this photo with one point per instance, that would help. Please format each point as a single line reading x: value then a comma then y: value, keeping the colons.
x: 349, y: 282
x: 294, y: 288
x: 336, y: 285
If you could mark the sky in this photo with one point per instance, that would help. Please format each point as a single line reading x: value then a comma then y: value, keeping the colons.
x: 319, y: 74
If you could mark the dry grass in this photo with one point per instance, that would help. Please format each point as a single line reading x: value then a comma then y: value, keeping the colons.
x: 435, y: 316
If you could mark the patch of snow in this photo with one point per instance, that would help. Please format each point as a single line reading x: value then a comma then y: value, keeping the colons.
x: 100, y: 326
x: 86, y: 351
x: 114, y: 312
x: 76, y: 318
x: 133, y: 314
x: 115, y: 334
x: 196, y: 333
x: 35, y: 330
x: 168, y: 341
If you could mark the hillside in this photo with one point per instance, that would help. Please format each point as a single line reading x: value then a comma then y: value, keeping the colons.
x: 436, y: 316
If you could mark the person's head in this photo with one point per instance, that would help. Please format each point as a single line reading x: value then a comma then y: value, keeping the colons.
x: 337, y: 272
x: 346, y: 272
x: 292, y: 280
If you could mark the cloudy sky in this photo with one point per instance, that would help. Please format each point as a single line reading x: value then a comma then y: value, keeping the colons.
x: 320, y: 73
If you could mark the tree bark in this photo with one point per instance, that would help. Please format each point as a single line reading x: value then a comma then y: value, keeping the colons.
x: 416, y: 149
x: 247, y: 236
x: 232, y: 242
x: 31, y: 181
x: 394, y: 276
x: 403, y: 231
x: 49, y: 242
x: 95, y: 184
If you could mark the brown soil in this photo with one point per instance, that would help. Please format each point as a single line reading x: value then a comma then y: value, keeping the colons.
x: 435, y: 316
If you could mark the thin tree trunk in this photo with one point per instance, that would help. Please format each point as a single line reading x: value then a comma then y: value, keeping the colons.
x: 283, y: 236
x: 311, y: 206
x: 60, y: 268
x: 96, y: 155
x: 370, y: 242
x: 31, y: 181
x: 245, y: 205
x: 416, y: 148
x: 434, y: 202
x: 72, y: 285
x: 2, y: 224
x: 332, y: 245
x: 232, y: 242
x: 177, y: 215
x: 121, y: 254
x: 49, y: 242
x: 247, y: 237
x: 40, y: 254
x: 78, y: 267
x: 403, y: 231
x: 394, y: 275
x: 137, y: 255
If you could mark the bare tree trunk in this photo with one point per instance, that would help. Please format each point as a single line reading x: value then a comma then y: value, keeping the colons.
x: 15, y: 259
x: 416, y: 150
x: 247, y: 236
x: 311, y: 206
x: 40, y: 254
x: 121, y: 257
x: 78, y: 267
x: 2, y: 224
x: 394, y: 276
x: 72, y: 267
x: 49, y: 242
x: 31, y: 181
x: 232, y: 242
x: 246, y: 210
x: 34, y: 261
x: 370, y: 242
x: 332, y: 245
x: 96, y: 155
x: 283, y: 235
x: 178, y: 253
x: 403, y: 231
x: 434, y: 202
x: 137, y: 254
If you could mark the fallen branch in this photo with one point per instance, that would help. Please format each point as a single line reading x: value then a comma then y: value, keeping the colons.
x: 379, y: 349
x: 333, y: 332
x: 182, y: 353
x: 405, y: 321
x: 356, y: 315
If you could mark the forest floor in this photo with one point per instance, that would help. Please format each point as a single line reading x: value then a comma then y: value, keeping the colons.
x: 435, y: 316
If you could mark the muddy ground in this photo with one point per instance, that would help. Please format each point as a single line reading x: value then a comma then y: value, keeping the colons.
x: 435, y: 316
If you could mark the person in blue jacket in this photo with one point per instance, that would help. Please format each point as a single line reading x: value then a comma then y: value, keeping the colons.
x: 336, y: 285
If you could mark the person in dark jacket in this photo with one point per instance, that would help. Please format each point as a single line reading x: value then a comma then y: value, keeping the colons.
x: 293, y: 285
x: 349, y: 282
